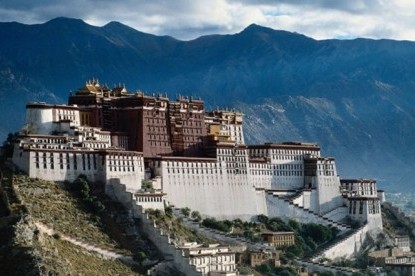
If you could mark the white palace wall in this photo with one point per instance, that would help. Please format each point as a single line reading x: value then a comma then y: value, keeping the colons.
x: 97, y: 166
x: 128, y: 167
x: 285, y: 165
x: 60, y: 165
x: 209, y: 187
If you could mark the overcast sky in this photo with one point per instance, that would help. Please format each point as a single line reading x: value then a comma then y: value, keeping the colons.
x: 188, y: 19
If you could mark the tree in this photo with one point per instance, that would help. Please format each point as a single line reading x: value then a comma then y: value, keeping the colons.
x: 169, y: 211
x: 140, y: 256
x: 185, y: 211
x: 196, y: 216
x: 263, y: 219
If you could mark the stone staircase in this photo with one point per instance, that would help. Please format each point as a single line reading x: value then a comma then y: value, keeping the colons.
x: 323, y: 220
x: 173, y: 256
x: 297, y: 194
x: 330, y: 245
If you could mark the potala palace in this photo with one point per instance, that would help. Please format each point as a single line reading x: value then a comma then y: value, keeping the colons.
x: 194, y: 158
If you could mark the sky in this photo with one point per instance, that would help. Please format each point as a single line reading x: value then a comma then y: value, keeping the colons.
x: 189, y: 19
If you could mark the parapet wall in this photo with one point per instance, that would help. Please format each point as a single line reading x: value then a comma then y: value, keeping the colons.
x: 279, y: 207
x: 163, y: 243
x: 346, y: 247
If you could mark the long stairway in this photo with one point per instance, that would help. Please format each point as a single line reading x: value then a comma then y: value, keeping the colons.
x: 295, y: 208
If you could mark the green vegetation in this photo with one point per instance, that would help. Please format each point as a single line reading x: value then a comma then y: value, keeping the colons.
x: 267, y: 269
x: 66, y: 211
x: 147, y: 185
x: 395, y: 222
x: 195, y: 215
x: 224, y: 226
x: 237, y: 228
x: 81, y: 188
x: 75, y: 260
x: 308, y: 237
x: 176, y: 229
x: 185, y: 211
x: 25, y: 250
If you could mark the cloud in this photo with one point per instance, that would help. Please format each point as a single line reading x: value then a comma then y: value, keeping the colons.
x: 187, y: 19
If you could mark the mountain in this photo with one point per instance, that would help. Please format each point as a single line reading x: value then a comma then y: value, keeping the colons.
x: 354, y: 97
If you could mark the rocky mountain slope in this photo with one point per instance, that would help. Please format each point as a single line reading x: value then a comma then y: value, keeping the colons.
x: 354, y: 97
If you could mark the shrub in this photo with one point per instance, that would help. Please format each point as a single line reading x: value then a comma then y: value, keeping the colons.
x: 263, y: 219
x: 140, y: 256
x: 317, y: 232
x: 185, y: 211
x: 196, y: 216
x: 214, y: 224
x: 98, y: 206
x: 169, y: 211
x: 264, y: 268
x: 147, y: 185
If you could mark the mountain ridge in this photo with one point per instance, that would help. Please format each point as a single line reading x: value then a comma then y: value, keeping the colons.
x: 354, y: 97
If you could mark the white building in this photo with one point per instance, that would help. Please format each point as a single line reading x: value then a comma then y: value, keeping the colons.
x: 212, y: 259
x: 362, y: 201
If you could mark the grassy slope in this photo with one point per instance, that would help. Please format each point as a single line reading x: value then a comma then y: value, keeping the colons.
x: 36, y: 253
x: 56, y: 207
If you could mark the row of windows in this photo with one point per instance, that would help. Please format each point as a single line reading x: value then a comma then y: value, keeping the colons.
x: 67, y: 117
x: 326, y: 173
x: 236, y: 165
x: 86, y: 161
x: 158, y: 137
x: 154, y: 129
x: 178, y: 164
x: 161, y: 122
x: 325, y: 166
x: 121, y: 157
x: 361, y: 188
x: 287, y: 157
x: 118, y: 162
x: 48, y: 140
x: 231, y: 169
x: 65, y: 111
x: 95, y: 145
x: 212, y: 259
x: 158, y: 143
x: 288, y: 173
x: 232, y: 159
x: 193, y: 171
x: 122, y: 168
x: 192, y: 130
x: 148, y: 199
x: 373, y: 206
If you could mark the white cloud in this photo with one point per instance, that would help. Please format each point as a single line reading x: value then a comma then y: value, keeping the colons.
x: 188, y: 19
